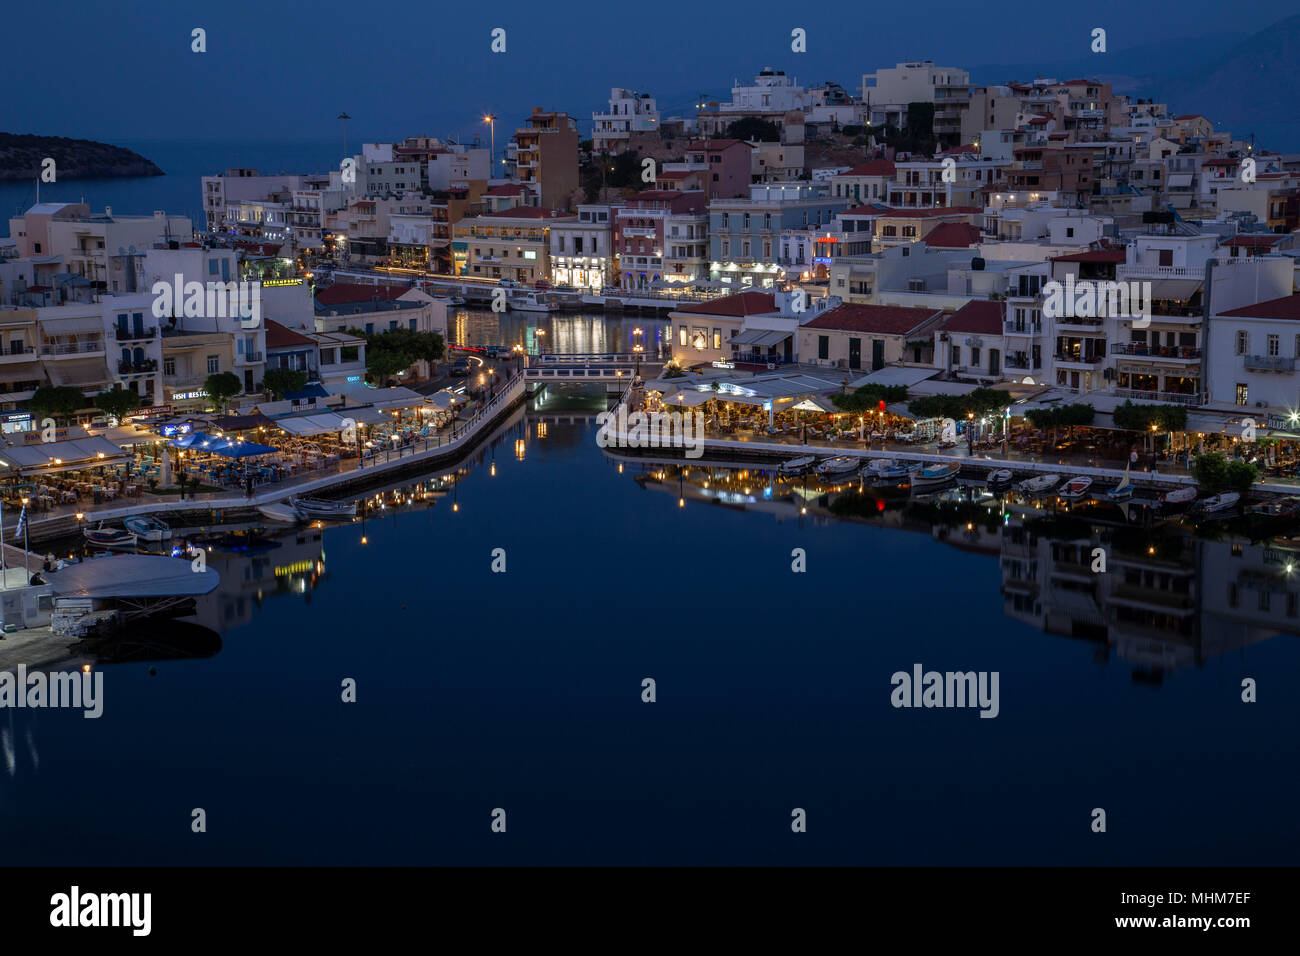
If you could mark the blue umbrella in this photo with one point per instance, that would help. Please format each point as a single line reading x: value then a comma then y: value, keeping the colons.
x: 240, y: 449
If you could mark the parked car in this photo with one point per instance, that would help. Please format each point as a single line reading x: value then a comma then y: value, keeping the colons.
x: 501, y: 352
x: 460, y: 367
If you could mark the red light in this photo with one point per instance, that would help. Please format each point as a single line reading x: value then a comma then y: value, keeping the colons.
x: 880, y: 504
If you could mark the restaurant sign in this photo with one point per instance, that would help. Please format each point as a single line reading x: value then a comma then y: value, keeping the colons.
x: 36, y: 437
x: 151, y: 411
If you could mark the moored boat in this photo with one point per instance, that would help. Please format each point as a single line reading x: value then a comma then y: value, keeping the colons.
x: 530, y: 302
x: 1274, y: 514
x: 1218, y: 504
x: 1039, y: 484
x: 1122, y: 491
x: 310, y: 509
x: 934, y: 475
x: 1000, y: 478
x: 109, y: 537
x: 839, y: 465
x: 278, y: 512
x: 147, y: 527
x: 1076, y: 488
x: 1178, y: 499
x: 796, y: 465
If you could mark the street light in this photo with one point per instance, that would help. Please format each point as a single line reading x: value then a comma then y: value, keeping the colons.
x: 25, y: 542
x: 492, y: 125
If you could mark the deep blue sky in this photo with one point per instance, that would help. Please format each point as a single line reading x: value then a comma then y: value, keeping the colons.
x: 284, y: 70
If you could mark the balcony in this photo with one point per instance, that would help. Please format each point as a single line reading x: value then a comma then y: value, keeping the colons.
x: 1268, y: 363
x: 1168, y: 398
x: 72, y: 349
x: 126, y: 335
x: 1158, y: 272
x: 1090, y: 326
x: 1174, y: 352
x: 1023, y: 364
x: 1021, y: 328
x: 137, y: 368
x: 22, y: 355
x: 1089, y: 360
x: 249, y: 358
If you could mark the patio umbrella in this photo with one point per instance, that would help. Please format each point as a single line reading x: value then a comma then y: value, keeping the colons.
x: 241, y: 449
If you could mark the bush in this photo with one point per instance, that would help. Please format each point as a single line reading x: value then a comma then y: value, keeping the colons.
x: 868, y: 397
x: 1062, y: 416
x: 1216, y: 473
x: 1140, y: 418
x: 980, y: 402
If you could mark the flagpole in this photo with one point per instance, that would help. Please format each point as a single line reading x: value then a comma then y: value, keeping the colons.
x: 22, y: 524
x: 4, y: 570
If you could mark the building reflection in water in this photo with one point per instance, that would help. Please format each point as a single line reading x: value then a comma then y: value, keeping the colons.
x: 1168, y: 598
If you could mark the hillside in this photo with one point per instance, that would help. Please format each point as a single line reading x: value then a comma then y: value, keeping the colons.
x: 21, y: 155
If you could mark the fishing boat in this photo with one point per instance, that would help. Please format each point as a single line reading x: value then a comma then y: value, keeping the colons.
x: 1273, y: 515
x: 839, y: 465
x: 530, y: 302
x: 1218, y: 504
x: 109, y: 537
x: 1076, y: 488
x: 278, y: 512
x: 309, y: 509
x: 934, y: 475
x: 1001, y: 478
x: 1039, y: 484
x: 147, y: 527
x: 1178, y: 499
x: 796, y: 465
x: 894, y: 475
x: 1123, y: 491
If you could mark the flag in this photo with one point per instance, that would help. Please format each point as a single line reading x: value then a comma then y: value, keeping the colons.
x: 22, y: 519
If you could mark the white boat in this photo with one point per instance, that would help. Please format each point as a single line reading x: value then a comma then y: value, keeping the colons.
x: 309, y: 509
x: 1123, y: 490
x: 895, y: 474
x: 1001, y: 478
x: 1076, y: 488
x: 1179, y: 497
x: 530, y: 302
x: 796, y: 465
x: 147, y: 527
x: 1038, y: 484
x: 1217, y: 504
x: 109, y: 537
x: 278, y: 512
x: 934, y: 475
x: 839, y: 465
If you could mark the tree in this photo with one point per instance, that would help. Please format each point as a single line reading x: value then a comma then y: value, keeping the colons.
x: 222, y: 387
x: 60, y: 402
x: 1215, y: 473
x: 1140, y: 418
x: 980, y: 402
x: 753, y: 128
x: 868, y: 398
x: 382, y: 364
x: 277, y: 381
x: 117, y: 402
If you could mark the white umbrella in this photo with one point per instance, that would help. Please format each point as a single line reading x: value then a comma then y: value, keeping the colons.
x: 165, y: 469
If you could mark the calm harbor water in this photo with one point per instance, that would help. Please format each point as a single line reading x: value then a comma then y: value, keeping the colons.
x: 523, y: 690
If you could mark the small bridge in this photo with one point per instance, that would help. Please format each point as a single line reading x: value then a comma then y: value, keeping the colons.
x: 613, y: 368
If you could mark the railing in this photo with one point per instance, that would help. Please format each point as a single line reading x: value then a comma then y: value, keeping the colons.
x: 1079, y: 359
x: 250, y: 357
x: 128, y: 368
x: 1158, y: 272
x: 1021, y: 328
x: 1173, y: 351
x: 1023, y: 365
x: 73, y: 348
x: 1269, y: 363
x: 1091, y: 323
x: 1174, y: 398
x: 591, y: 358
x: 125, y: 335
x: 18, y: 354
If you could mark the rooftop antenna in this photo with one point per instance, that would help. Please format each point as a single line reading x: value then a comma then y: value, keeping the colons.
x: 345, y: 117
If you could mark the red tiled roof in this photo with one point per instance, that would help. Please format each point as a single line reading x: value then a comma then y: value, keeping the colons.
x: 1287, y: 307
x: 1058, y: 135
x: 877, y: 167
x: 930, y: 213
x: 870, y: 209
x: 740, y: 304
x: 1081, y: 83
x: 278, y: 337
x: 1187, y: 116
x: 979, y: 316
x: 953, y: 235
x: 1094, y: 255
x: 509, y: 189
x: 882, y: 319
x: 677, y: 173
x: 1221, y: 161
x: 1039, y: 120
x: 341, y: 292
x: 718, y: 144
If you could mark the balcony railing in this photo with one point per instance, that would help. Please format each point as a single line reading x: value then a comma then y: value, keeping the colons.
x: 249, y: 357
x: 1079, y: 359
x: 1023, y: 365
x: 127, y: 335
x: 73, y: 348
x: 18, y: 355
x: 134, y: 368
x: 1158, y: 272
x: 1148, y: 351
x: 1022, y: 328
x: 1170, y: 398
x: 1269, y: 363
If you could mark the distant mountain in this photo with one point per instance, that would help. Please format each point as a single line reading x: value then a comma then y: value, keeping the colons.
x: 22, y: 155
x: 1251, y: 88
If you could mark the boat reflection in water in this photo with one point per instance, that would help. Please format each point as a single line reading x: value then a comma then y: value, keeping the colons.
x: 1151, y: 591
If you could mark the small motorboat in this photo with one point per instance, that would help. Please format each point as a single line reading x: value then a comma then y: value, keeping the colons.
x: 147, y: 527
x: 109, y: 537
x: 1274, y: 515
x: 1218, y: 504
x: 278, y: 512
x: 1039, y: 484
x: 1076, y: 488
x: 934, y: 475
x: 839, y: 465
x: 311, y: 509
x: 1123, y: 491
x: 1178, y: 499
x: 1001, y: 478
x: 797, y: 465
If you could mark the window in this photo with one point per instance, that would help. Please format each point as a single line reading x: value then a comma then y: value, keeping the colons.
x: 1242, y: 394
x: 726, y: 217
x: 214, y: 364
x: 956, y: 355
x: 1274, y: 345
x: 213, y: 267
x: 169, y: 366
x: 823, y: 346
x: 681, y: 336
x: 1069, y: 232
x: 717, y: 338
x: 1243, y: 341
x: 974, y: 356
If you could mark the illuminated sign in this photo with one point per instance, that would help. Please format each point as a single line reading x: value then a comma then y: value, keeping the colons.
x: 268, y: 283
x: 823, y: 260
x: 30, y: 437
x: 724, y: 364
x: 186, y: 396
x: 171, y: 431
x: 354, y: 378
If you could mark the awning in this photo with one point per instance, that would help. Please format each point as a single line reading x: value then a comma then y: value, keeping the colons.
x: 815, y: 403
x: 762, y: 338
x: 78, y: 372
x: 690, y: 399
x: 304, y: 425
x: 1181, y: 289
x: 61, y: 455
x: 72, y: 326
x: 239, y: 423
x: 1176, y: 180
x: 358, y: 394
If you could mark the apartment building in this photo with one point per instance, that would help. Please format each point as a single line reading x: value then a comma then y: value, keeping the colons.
x: 546, y: 158
x: 628, y: 112
x: 723, y: 166
x: 512, y: 244
x: 238, y: 185
x: 773, y: 97
x: 641, y: 232
x: 745, y: 234
x: 867, y: 336
x: 866, y: 183
x: 971, y: 344
x: 890, y: 89
x: 376, y: 308
x: 582, y: 251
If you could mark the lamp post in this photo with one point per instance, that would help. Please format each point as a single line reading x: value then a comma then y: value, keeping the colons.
x: 345, y: 117
x: 491, y: 120
x: 25, y: 541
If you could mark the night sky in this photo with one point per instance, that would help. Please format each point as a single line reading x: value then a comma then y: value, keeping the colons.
x: 275, y: 71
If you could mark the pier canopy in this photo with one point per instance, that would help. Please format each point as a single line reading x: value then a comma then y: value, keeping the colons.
x: 383, y: 398
x: 132, y: 576
x: 69, y: 455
